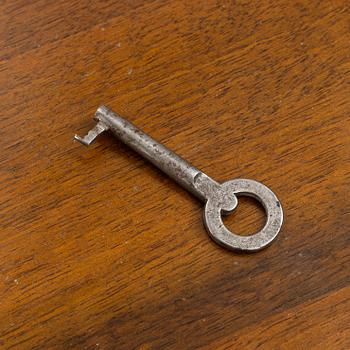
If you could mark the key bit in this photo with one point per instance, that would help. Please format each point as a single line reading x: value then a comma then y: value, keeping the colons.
x: 98, y: 129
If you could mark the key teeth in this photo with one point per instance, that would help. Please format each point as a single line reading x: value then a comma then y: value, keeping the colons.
x: 92, y: 134
x: 82, y: 140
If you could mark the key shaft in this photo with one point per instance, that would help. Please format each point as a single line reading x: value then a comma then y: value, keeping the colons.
x: 166, y: 160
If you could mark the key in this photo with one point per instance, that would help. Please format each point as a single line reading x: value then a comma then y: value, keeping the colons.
x: 219, y: 198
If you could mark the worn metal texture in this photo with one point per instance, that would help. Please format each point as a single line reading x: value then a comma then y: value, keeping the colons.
x: 218, y: 198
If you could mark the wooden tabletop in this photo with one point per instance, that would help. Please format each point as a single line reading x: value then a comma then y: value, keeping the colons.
x: 98, y: 248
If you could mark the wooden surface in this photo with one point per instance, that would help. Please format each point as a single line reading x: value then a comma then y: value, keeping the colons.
x: 100, y: 250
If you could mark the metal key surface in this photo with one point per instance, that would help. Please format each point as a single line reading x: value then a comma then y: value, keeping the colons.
x: 219, y: 198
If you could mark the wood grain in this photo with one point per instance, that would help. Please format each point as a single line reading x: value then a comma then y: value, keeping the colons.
x: 100, y: 250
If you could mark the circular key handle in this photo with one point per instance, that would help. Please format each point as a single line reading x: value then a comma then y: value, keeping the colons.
x: 257, y: 241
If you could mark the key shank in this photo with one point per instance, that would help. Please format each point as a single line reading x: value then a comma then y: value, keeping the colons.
x: 166, y: 160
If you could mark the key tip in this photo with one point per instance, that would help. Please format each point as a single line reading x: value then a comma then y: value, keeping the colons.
x: 81, y: 140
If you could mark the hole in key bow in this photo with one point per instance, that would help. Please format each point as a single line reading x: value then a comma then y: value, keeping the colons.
x: 248, y: 218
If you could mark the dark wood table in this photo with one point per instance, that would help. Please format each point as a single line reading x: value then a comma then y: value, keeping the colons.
x: 100, y: 250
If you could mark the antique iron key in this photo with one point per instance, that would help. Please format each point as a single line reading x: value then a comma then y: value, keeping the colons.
x: 219, y: 198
